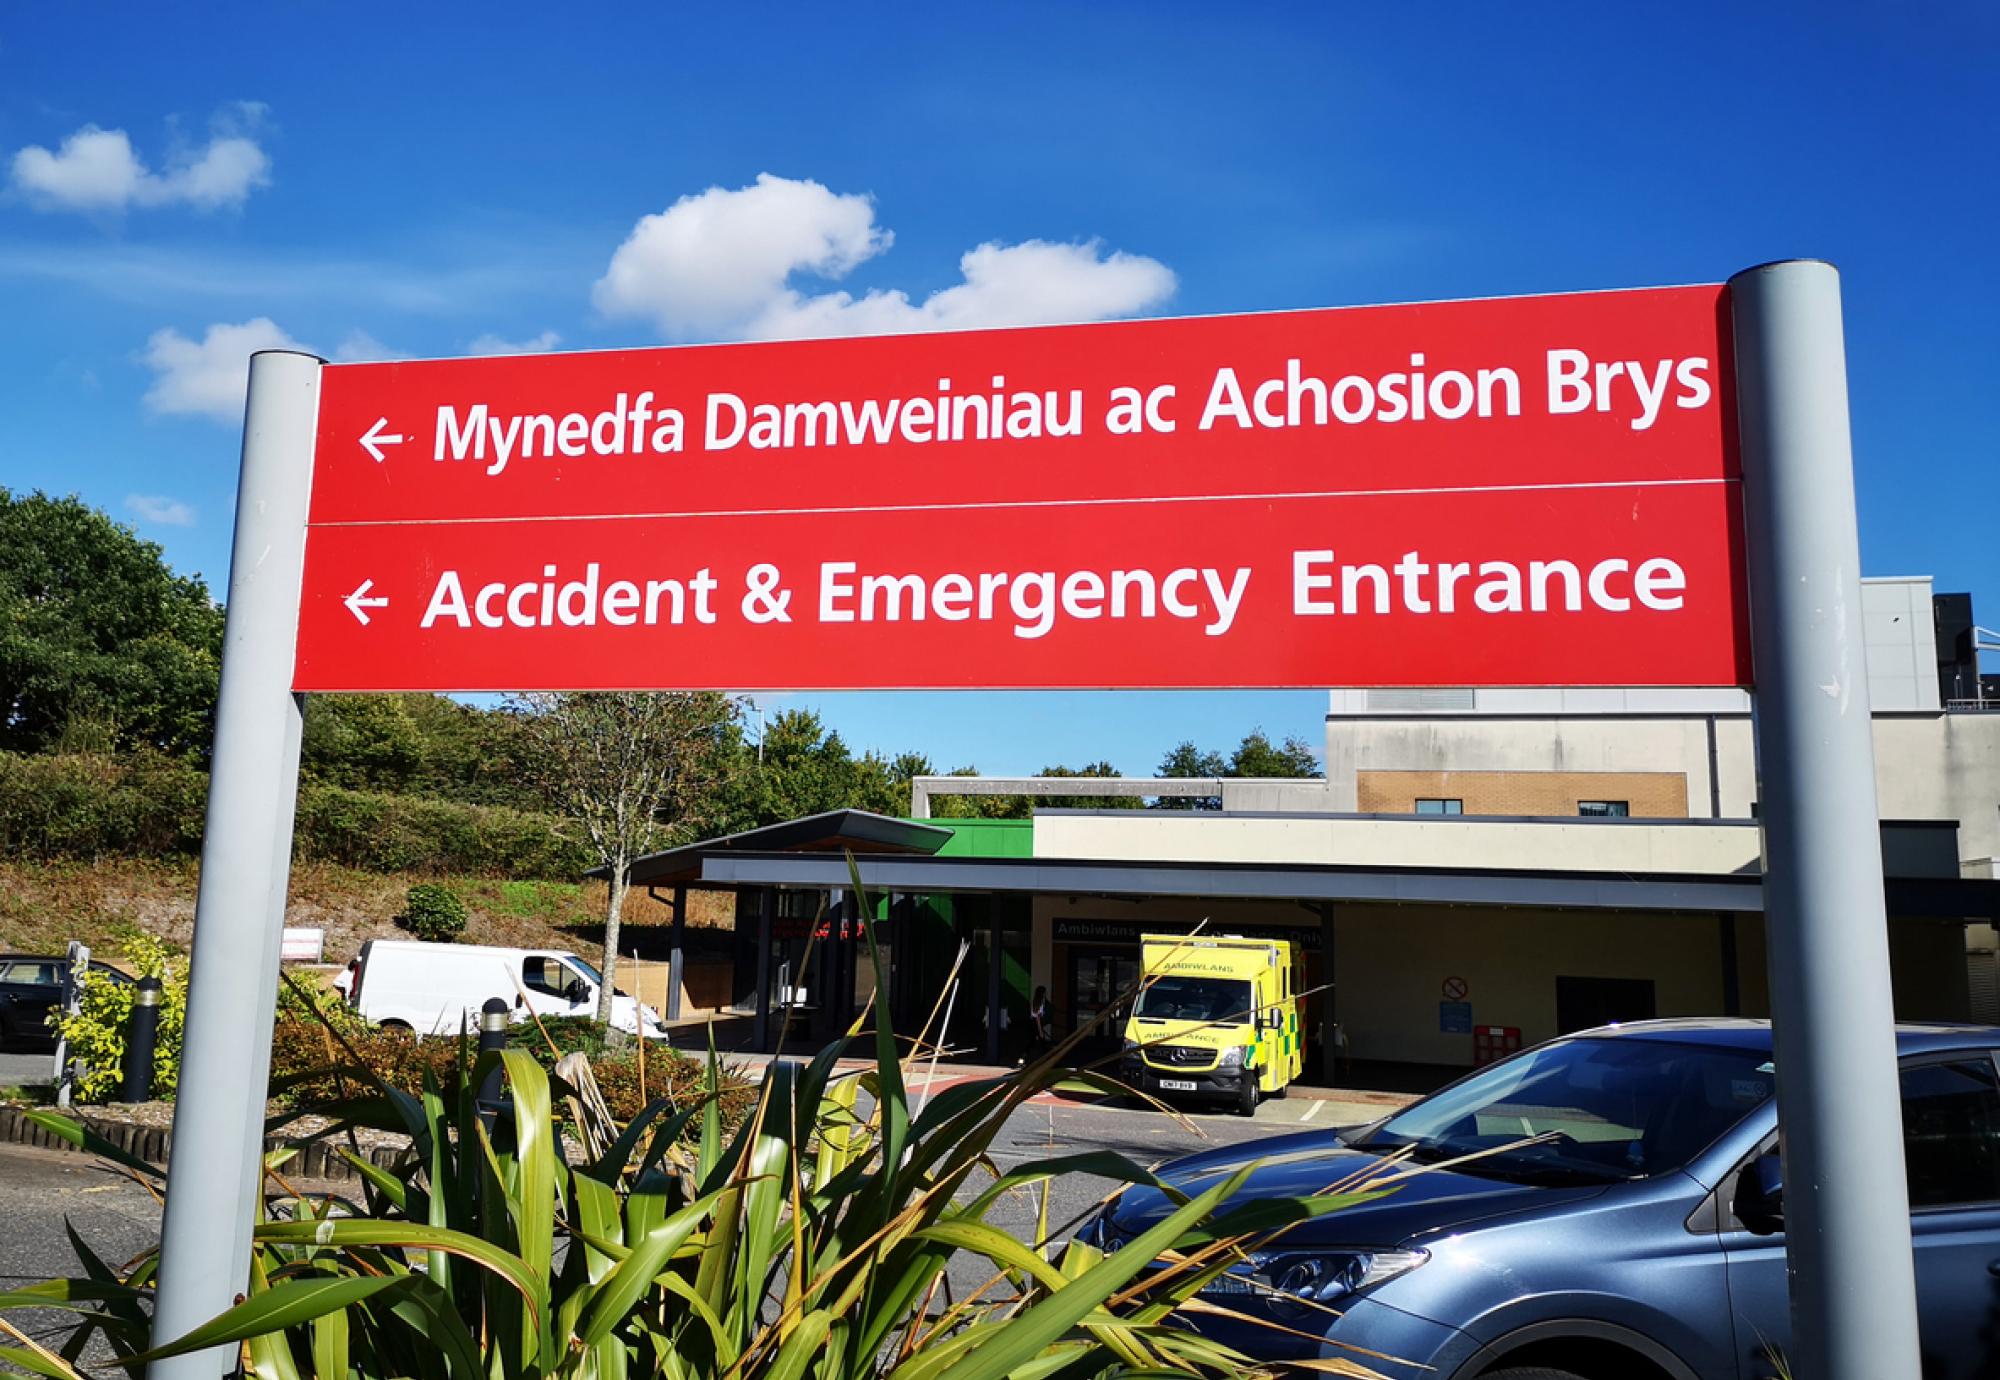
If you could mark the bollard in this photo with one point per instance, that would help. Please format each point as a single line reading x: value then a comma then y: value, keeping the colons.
x: 141, y: 1036
x: 492, y: 1036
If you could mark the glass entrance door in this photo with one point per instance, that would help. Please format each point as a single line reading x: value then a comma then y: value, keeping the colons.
x: 1101, y: 978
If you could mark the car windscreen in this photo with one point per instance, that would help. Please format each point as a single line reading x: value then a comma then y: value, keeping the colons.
x: 585, y: 967
x: 1174, y: 998
x: 1593, y: 1108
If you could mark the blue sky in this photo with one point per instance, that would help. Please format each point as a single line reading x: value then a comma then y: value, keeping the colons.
x: 411, y: 179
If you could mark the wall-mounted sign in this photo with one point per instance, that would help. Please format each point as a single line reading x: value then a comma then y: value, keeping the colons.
x: 1305, y: 938
x: 1455, y: 1017
x: 1456, y: 989
x: 1285, y: 499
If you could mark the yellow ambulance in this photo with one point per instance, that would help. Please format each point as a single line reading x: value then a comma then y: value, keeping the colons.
x: 1215, y: 1017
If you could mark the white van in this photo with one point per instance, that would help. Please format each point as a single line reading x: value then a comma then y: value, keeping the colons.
x: 434, y: 988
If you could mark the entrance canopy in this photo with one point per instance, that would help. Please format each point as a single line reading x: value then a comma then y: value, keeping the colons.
x: 1908, y: 897
x: 836, y: 832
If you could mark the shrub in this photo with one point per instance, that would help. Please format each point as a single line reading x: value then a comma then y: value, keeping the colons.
x: 305, y: 1057
x: 96, y: 1033
x: 433, y: 913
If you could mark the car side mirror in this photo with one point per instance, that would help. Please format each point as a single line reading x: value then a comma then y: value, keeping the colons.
x: 576, y: 992
x: 1760, y: 1195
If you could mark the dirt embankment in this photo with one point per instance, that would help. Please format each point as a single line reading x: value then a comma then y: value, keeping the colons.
x: 44, y: 905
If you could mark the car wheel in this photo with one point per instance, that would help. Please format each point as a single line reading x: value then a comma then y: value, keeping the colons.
x: 1246, y: 1097
x: 401, y: 1027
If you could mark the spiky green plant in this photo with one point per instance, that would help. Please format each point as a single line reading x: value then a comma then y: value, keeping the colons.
x: 809, y: 1244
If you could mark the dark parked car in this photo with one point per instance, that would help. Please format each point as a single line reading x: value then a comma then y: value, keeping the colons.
x: 31, y: 986
x: 1641, y: 1238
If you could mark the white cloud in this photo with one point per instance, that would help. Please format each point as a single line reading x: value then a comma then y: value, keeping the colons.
x: 159, y: 509
x: 98, y: 170
x: 495, y: 345
x: 721, y: 264
x: 709, y: 263
x: 208, y: 377
x: 1029, y: 284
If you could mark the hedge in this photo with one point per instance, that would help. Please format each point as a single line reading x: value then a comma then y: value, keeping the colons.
x: 84, y: 807
x: 398, y: 833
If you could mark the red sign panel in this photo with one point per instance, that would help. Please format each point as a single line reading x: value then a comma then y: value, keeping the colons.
x: 1514, y: 492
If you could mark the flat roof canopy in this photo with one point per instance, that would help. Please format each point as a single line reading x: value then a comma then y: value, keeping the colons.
x: 861, y: 832
x: 1908, y: 898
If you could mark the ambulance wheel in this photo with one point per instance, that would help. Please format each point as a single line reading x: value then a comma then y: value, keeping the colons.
x: 1246, y: 1098
x: 1279, y: 1095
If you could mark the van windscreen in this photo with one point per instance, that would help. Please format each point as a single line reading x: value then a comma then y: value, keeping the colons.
x: 1171, y: 998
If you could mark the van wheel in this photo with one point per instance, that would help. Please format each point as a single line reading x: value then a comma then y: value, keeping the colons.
x: 400, y: 1027
x: 1246, y: 1098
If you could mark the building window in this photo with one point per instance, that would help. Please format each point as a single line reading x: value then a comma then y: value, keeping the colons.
x: 1609, y: 809
x: 1440, y: 807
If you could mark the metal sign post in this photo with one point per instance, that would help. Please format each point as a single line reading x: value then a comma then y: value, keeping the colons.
x: 218, y: 1136
x: 1847, y: 1216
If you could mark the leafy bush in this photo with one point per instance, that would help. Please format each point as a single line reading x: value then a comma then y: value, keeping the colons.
x: 433, y: 913
x: 96, y: 1033
x: 312, y: 1002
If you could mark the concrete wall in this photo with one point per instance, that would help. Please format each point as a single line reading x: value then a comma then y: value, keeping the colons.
x: 1725, y: 846
x: 1390, y: 963
x: 1680, y: 746
x: 1927, y: 766
x: 704, y: 984
x: 1900, y: 634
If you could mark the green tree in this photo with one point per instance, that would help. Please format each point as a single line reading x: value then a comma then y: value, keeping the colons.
x: 1256, y: 756
x: 806, y: 768
x: 638, y: 772
x: 1188, y: 761
x: 101, y: 643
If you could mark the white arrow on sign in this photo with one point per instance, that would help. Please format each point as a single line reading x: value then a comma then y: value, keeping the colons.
x: 372, y: 441
x: 358, y: 604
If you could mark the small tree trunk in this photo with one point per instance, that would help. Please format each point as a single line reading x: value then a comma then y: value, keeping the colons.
x: 609, y: 966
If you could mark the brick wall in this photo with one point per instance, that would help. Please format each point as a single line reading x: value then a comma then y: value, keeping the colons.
x: 1651, y: 794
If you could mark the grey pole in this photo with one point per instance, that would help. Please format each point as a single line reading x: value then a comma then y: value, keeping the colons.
x: 214, y: 1176
x: 1846, y: 1205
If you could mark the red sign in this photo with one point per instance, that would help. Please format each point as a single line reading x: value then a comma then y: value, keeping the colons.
x: 1523, y: 491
